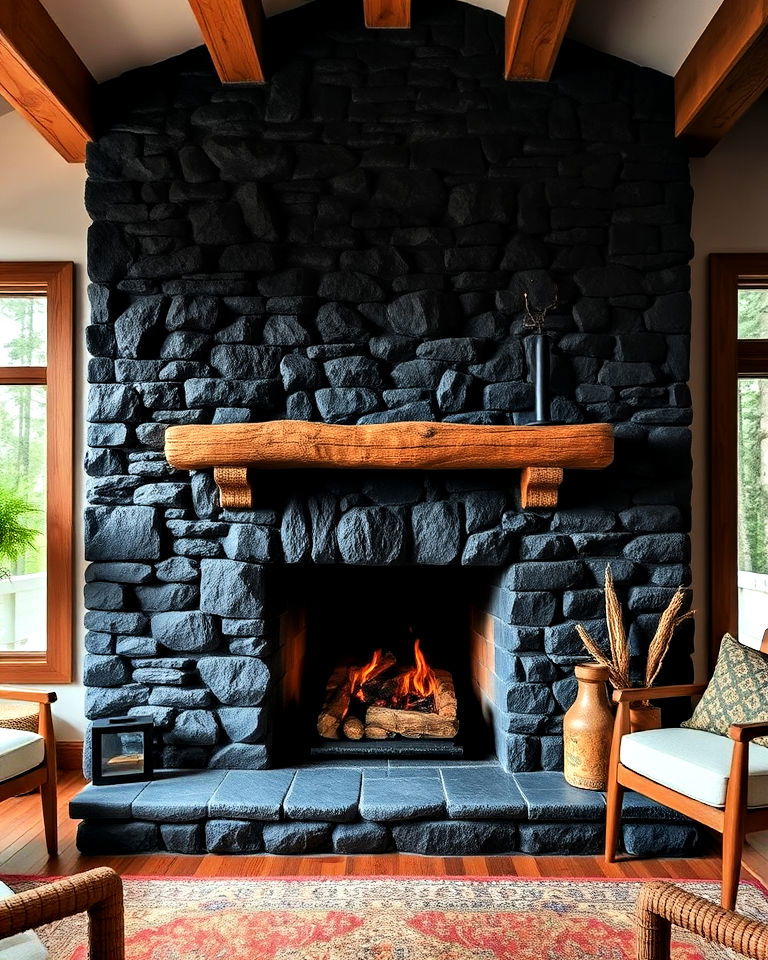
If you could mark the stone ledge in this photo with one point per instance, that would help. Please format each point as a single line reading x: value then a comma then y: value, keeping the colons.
x: 452, y: 810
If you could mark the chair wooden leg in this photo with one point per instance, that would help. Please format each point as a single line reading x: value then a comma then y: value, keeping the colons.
x: 614, y: 800
x: 50, y: 817
x: 734, y: 824
x: 733, y: 847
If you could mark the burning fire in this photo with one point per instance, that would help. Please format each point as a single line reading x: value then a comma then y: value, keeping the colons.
x: 408, y: 688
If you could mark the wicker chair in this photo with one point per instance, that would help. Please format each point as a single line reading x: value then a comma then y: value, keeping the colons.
x: 28, y: 761
x: 662, y: 905
x: 99, y: 892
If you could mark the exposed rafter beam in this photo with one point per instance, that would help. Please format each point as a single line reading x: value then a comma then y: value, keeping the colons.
x: 232, y: 31
x: 723, y: 75
x: 43, y: 78
x: 535, y: 31
x: 387, y: 14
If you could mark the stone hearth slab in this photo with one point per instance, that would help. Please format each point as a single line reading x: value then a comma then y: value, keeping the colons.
x: 178, y: 798
x: 482, y: 793
x: 549, y: 797
x: 114, y: 801
x: 251, y: 795
x: 402, y: 798
x: 328, y: 794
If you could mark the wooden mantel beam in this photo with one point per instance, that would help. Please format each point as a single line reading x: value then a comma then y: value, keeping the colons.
x: 723, y: 75
x: 43, y: 78
x: 232, y: 30
x: 535, y: 31
x: 387, y: 14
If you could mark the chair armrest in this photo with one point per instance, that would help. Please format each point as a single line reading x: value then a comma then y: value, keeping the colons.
x: 33, y: 696
x: 99, y: 892
x: 633, y: 694
x: 662, y: 904
x: 744, y: 732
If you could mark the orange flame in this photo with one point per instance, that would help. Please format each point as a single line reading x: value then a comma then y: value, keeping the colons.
x: 359, y: 675
x: 418, y: 682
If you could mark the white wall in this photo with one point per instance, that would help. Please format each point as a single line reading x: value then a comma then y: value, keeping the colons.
x: 42, y: 217
x: 730, y: 215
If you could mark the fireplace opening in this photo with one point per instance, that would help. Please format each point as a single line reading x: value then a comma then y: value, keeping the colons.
x: 379, y: 662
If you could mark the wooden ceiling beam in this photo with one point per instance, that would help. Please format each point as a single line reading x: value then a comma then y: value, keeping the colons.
x: 233, y: 30
x: 387, y: 14
x: 43, y: 78
x: 723, y: 75
x: 534, y: 32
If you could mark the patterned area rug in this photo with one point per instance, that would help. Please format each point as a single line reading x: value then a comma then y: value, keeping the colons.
x: 384, y: 919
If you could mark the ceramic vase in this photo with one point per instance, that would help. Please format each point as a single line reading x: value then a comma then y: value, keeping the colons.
x: 588, y: 730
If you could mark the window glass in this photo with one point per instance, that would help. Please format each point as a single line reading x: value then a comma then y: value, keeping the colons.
x: 753, y: 315
x: 23, y: 322
x: 22, y: 518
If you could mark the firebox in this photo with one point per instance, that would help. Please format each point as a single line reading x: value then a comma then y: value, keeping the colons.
x: 379, y: 662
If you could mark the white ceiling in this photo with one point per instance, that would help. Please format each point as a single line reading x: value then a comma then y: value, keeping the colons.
x: 112, y: 36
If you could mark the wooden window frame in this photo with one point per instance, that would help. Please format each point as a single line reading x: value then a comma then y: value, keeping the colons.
x: 54, y: 281
x: 729, y: 359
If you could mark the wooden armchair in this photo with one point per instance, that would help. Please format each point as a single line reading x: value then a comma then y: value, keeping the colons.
x: 28, y: 761
x: 662, y: 905
x: 99, y: 892
x: 717, y: 781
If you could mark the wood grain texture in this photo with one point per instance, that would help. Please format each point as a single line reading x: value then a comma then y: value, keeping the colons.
x: 43, y: 78
x: 55, y: 281
x: 387, y: 14
x: 534, y: 33
x: 298, y: 444
x: 233, y: 30
x: 23, y: 852
x: 539, y: 487
x: 723, y: 75
x: 729, y: 359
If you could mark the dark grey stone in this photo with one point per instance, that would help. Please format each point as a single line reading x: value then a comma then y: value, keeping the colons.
x: 137, y: 326
x: 247, y: 541
x: 180, y: 569
x: 455, y: 838
x: 402, y: 798
x: 574, y: 838
x: 107, y: 621
x: 660, y: 839
x: 370, y: 536
x: 97, y: 838
x: 365, y: 837
x: 235, y: 681
x: 489, y: 548
x: 186, y: 838
x: 229, y: 588
x: 294, y: 533
x: 240, y: 756
x: 113, y: 701
x: 453, y: 391
x: 196, y: 727
x: 482, y: 793
x: 233, y: 836
x: 549, y: 797
x: 177, y: 798
x: 342, y: 404
x: 188, y: 631
x: 105, y: 803
x: 436, y: 529
x: 183, y: 698
x: 296, y: 838
x: 325, y: 794
x: 243, y: 724
x: 251, y: 795
x: 121, y: 533
x: 105, y: 671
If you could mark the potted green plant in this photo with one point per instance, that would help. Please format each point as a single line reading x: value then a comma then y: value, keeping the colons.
x: 15, y: 537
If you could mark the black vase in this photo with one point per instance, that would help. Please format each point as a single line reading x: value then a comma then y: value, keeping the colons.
x: 541, y: 368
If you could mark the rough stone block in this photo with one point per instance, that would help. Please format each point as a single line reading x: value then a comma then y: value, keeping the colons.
x: 455, y: 838
x: 371, y: 536
x: 243, y: 724
x: 177, y: 798
x: 251, y: 795
x: 97, y: 838
x: 296, y: 838
x: 229, y: 588
x: 365, y: 837
x: 233, y: 836
x: 186, y: 838
x: 575, y: 839
x: 402, y: 798
x: 325, y: 794
x: 188, y: 631
x: 436, y: 530
x: 121, y: 533
x: 240, y: 756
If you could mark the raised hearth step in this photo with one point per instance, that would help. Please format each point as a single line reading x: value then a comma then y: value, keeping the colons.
x: 363, y: 749
x: 450, y: 809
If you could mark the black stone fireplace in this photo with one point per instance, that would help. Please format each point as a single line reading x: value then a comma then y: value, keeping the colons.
x: 351, y: 244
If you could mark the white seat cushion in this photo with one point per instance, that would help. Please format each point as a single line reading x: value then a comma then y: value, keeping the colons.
x: 22, y: 946
x: 20, y: 751
x: 694, y: 763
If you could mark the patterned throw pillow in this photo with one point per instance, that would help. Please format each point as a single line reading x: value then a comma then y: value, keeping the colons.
x: 737, y: 692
